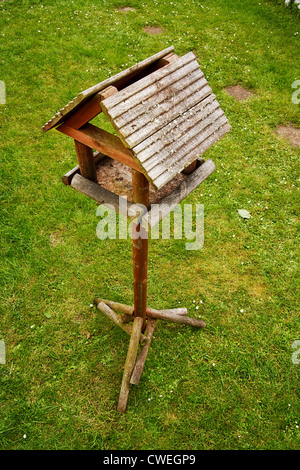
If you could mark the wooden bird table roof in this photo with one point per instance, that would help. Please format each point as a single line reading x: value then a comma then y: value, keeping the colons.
x: 167, y: 119
x: 165, y: 116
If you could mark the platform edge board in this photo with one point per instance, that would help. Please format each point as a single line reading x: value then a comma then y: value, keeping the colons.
x: 167, y: 204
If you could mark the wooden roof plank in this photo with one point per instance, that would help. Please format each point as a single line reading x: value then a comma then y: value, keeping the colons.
x: 166, y: 140
x: 145, y: 82
x: 185, y: 146
x: 173, y: 130
x: 182, y: 137
x: 165, y: 116
x: 187, y: 142
x: 174, y: 105
x: 154, y: 122
x: 180, y: 79
x: 157, y: 84
x: 199, y: 149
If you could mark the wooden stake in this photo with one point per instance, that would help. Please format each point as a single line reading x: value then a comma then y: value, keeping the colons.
x: 180, y: 319
x: 139, y: 366
x: 175, y: 315
x: 129, y: 309
x: 140, y: 189
x: 129, y: 364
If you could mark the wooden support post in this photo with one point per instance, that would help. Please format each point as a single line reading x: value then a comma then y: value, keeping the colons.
x: 86, y: 161
x: 129, y: 364
x: 140, y: 188
x: 67, y: 178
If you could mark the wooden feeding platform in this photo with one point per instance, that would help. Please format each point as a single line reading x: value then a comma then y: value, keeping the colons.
x: 165, y: 117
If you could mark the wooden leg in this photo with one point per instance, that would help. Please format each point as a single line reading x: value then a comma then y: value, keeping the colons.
x: 139, y: 365
x: 129, y: 309
x: 140, y: 186
x: 86, y: 161
x: 129, y: 364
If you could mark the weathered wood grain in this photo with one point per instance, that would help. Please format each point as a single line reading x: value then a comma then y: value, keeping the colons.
x: 144, y: 113
x: 180, y: 319
x: 129, y: 364
x: 160, y: 114
x: 167, y: 119
x: 159, y: 314
x: 201, y: 144
x: 164, y: 143
x: 184, y: 144
x: 140, y: 190
x: 155, y: 93
x: 144, y: 84
x: 89, y: 109
x: 85, y: 113
x: 140, y: 362
x: 169, y: 97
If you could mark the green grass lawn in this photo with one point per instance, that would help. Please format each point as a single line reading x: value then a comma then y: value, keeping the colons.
x: 232, y: 385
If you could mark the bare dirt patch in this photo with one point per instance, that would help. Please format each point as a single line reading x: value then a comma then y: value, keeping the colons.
x: 290, y: 133
x: 152, y: 30
x: 238, y: 92
x: 125, y: 9
x: 116, y: 177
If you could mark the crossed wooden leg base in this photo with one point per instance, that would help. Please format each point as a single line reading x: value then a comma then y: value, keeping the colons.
x: 136, y: 357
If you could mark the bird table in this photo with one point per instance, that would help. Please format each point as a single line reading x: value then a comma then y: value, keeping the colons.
x: 165, y: 117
